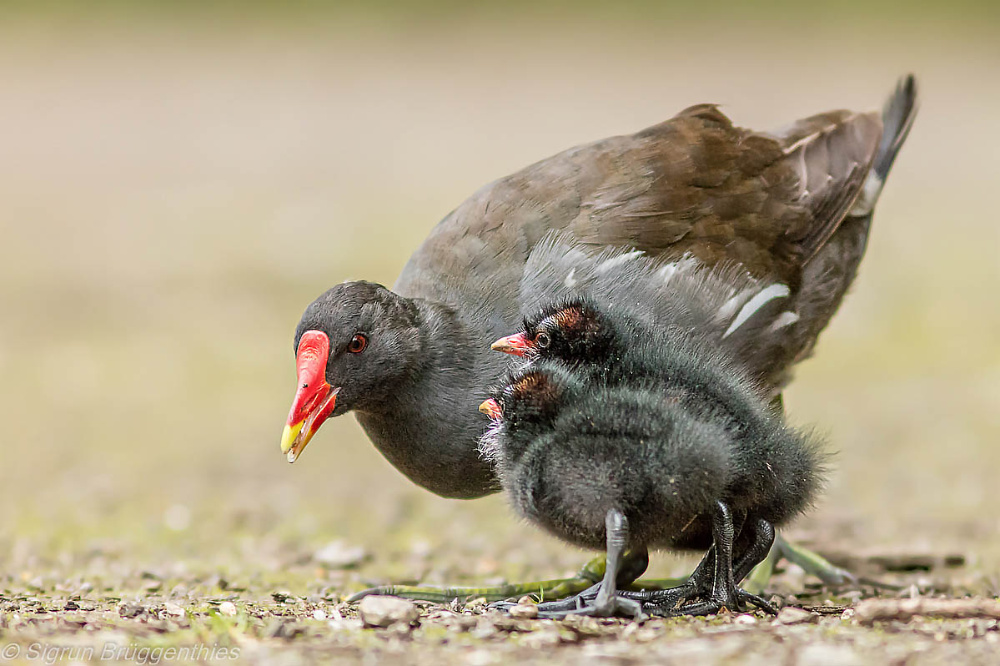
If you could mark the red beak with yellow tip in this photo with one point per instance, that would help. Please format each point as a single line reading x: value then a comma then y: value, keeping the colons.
x: 517, y: 344
x: 491, y: 408
x: 315, y: 399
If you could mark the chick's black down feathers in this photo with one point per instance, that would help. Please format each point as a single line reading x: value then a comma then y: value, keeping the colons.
x: 663, y: 462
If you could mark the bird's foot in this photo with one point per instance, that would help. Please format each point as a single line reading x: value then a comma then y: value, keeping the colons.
x: 735, y: 601
x: 590, y: 603
x: 614, y: 606
x: 663, y: 598
x: 570, y: 603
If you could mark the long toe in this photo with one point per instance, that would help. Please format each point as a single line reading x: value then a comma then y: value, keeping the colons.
x: 544, y: 589
x: 629, y: 608
x: 754, y: 600
x: 700, y: 608
x: 661, y: 602
x: 734, y: 602
x: 615, y: 607
x: 572, y: 603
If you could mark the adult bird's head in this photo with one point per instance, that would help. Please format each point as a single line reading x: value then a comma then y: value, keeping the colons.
x: 353, y: 344
x: 572, y: 332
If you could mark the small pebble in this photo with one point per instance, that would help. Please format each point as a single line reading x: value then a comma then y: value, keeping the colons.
x: 227, y: 608
x: 792, y: 615
x: 381, y: 611
x: 173, y: 610
x: 476, y: 604
x: 524, y: 611
x: 318, y: 614
x: 745, y: 619
x: 130, y: 610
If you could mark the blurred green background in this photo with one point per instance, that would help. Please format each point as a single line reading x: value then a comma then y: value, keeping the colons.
x: 179, y: 180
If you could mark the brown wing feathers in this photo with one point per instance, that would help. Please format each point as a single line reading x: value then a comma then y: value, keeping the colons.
x: 830, y: 156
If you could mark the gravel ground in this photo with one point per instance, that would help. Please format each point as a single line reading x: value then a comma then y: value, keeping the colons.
x: 137, y: 615
x: 173, y: 193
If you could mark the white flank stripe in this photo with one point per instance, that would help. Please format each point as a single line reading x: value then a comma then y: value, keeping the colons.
x: 765, y: 296
x: 570, y: 280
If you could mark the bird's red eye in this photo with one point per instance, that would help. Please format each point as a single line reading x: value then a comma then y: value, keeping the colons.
x: 357, y: 344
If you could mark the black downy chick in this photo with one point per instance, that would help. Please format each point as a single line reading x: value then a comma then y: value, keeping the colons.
x: 608, y: 345
x: 627, y: 466
x: 606, y: 342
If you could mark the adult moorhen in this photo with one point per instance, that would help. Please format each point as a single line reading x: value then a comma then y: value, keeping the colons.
x: 795, y: 204
x: 651, y: 463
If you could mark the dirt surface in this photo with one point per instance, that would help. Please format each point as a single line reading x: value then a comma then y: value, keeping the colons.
x: 172, y: 194
x: 145, y: 616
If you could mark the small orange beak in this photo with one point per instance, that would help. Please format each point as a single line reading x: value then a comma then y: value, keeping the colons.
x: 491, y: 408
x: 315, y: 398
x: 517, y: 344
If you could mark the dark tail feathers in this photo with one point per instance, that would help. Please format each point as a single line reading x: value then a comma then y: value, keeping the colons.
x: 897, y: 118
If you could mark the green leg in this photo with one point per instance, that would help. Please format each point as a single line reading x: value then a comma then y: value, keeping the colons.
x: 632, y: 566
x: 815, y: 564
x: 812, y: 563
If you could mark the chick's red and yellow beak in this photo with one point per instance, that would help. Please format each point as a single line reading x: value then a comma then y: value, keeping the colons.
x: 517, y: 344
x: 491, y: 408
x: 315, y: 398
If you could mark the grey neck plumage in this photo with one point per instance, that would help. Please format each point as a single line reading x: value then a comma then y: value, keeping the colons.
x: 429, y: 426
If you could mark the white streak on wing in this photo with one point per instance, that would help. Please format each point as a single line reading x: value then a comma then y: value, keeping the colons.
x: 617, y: 261
x: 756, y: 303
x: 570, y: 280
x: 786, y: 318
